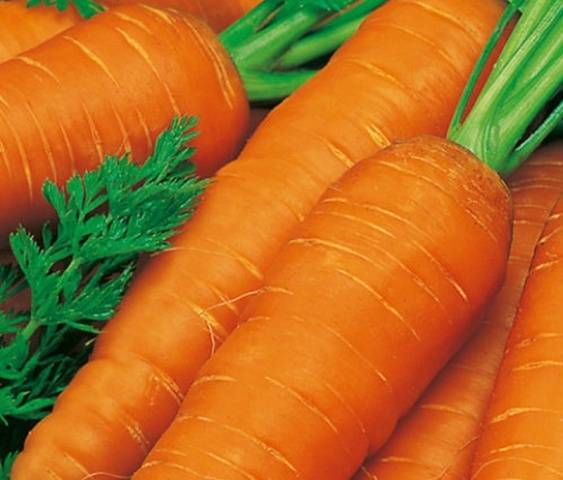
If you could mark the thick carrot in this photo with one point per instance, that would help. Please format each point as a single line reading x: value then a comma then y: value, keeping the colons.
x: 359, y: 311
x: 111, y: 84
x: 23, y: 28
x: 523, y: 431
x: 436, y: 441
x: 187, y: 301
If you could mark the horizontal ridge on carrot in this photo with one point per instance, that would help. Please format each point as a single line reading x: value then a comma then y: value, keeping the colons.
x: 188, y: 300
x: 382, y: 282
x: 436, y: 440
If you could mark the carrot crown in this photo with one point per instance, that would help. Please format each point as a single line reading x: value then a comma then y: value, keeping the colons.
x: 520, y: 103
x: 272, y: 42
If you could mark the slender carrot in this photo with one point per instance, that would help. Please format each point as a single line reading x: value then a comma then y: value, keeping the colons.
x: 381, y: 283
x: 187, y: 301
x: 436, y: 440
x: 523, y: 430
x: 24, y: 28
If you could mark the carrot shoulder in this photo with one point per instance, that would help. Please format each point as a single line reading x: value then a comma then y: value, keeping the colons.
x: 111, y: 85
x: 436, y: 440
x: 523, y: 429
x: 189, y: 299
x: 359, y: 311
x: 23, y: 28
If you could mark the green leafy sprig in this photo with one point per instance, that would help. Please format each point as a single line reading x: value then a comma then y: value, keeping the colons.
x: 77, y: 271
x: 86, y: 8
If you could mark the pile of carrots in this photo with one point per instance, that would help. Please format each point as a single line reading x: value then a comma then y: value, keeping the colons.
x: 358, y: 295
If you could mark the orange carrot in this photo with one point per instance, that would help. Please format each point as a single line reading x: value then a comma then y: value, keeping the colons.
x: 23, y: 28
x: 359, y: 311
x: 133, y: 78
x: 188, y: 300
x: 523, y: 430
x: 436, y: 440
x: 381, y: 283
x: 217, y: 13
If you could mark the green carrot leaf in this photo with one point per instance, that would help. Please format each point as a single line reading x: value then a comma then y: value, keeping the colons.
x: 86, y: 8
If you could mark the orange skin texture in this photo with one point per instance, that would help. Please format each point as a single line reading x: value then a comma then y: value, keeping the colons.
x: 187, y: 300
x: 358, y: 313
x: 24, y: 28
x: 132, y: 83
x: 219, y: 14
x: 436, y: 440
x: 522, y: 437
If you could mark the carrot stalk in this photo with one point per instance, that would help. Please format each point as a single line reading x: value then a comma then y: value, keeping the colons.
x: 436, y: 440
x: 532, y: 66
x: 328, y: 37
x: 184, y: 304
x: 522, y: 431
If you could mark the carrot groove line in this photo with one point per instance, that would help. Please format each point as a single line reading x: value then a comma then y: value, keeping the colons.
x: 134, y: 21
x: 379, y: 72
x: 431, y: 42
x: 440, y: 188
x: 44, y: 141
x: 425, y: 5
x: 23, y: 157
x: 355, y: 351
x: 228, y: 90
x: 146, y: 57
x: 92, y: 56
x: 276, y: 454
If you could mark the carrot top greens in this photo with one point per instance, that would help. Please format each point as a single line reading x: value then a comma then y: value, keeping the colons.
x: 527, y: 77
x: 78, y: 270
x: 86, y: 8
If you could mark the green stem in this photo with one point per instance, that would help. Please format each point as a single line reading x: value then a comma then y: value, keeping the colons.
x: 241, y: 31
x: 328, y: 38
x: 272, y: 86
x: 526, y: 77
x: 260, y: 52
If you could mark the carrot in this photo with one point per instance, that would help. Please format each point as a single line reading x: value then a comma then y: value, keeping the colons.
x: 437, y: 438
x: 187, y: 301
x: 382, y: 282
x: 217, y: 13
x: 522, y: 432
x: 134, y: 79
x: 24, y: 28
x: 372, y: 281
